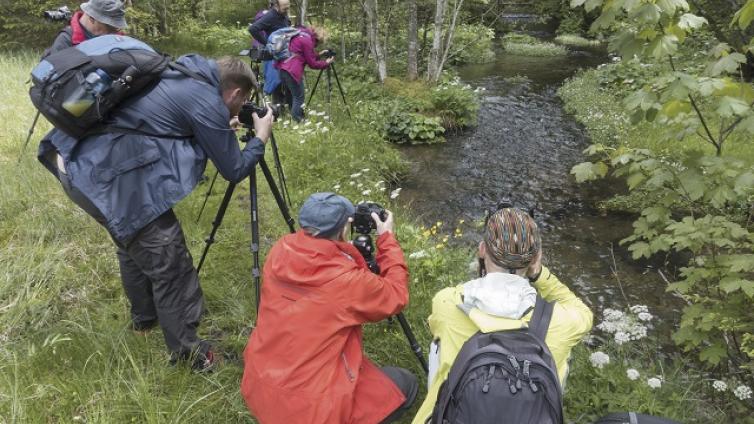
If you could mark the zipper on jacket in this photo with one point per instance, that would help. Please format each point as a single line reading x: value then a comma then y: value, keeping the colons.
x: 351, y: 377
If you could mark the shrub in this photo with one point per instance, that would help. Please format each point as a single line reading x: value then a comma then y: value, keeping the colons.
x: 472, y: 43
x: 414, y: 128
x: 527, y: 45
x: 456, y: 104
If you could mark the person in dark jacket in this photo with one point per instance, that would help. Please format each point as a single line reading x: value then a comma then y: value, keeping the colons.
x: 265, y: 23
x: 303, y: 53
x: 96, y: 17
x: 153, y: 155
x: 273, y: 19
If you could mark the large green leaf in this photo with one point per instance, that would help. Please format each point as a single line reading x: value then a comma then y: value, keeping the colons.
x: 732, y: 106
x: 588, y: 171
x: 745, y: 15
x: 689, y: 21
x: 692, y: 184
x: 669, y: 7
x: 713, y: 354
x: 647, y: 13
x: 663, y: 46
x: 727, y: 63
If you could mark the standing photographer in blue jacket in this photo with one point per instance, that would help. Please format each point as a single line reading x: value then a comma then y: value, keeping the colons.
x: 151, y: 154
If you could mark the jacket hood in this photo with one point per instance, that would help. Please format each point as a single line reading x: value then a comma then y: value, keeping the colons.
x: 498, y: 301
x: 311, y: 262
x: 200, y: 65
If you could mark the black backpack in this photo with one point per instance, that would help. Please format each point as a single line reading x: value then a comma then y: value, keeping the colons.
x: 76, y: 88
x: 504, y: 377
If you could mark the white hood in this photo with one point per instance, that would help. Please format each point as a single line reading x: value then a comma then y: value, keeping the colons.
x: 499, y: 294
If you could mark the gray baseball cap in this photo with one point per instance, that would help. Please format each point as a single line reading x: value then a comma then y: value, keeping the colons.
x: 326, y: 213
x: 109, y: 12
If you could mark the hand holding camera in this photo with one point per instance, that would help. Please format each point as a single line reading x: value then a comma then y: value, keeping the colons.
x: 385, y: 226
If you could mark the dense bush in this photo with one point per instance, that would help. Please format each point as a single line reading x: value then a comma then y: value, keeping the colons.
x: 527, y: 45
x: 455, y: 103
x: 414, y: 128
x: 472, y: 43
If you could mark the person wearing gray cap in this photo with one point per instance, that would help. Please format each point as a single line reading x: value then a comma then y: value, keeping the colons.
x: 96, y: 17
x: 305, y: 362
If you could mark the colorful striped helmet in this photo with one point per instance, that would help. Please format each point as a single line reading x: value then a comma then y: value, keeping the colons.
x: 512, y: 238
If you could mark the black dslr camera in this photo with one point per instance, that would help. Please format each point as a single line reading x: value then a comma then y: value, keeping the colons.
x: 364, y: 224
x: 61, y: 14
x: 362, y: 219
x: 257, y: 54
x: 248, y: 108
x: 329, y: 53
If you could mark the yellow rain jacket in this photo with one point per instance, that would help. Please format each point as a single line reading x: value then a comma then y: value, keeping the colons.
x: 571, y: 321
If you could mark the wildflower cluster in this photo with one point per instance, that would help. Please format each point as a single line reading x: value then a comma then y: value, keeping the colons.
x: 624, y: 326
x: 599, y: 359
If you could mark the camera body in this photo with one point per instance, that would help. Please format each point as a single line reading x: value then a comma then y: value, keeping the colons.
x: 248, y: 108
x: 362, y: 218
x: 329, y: 53
x: 61, y: 14
x: 258, y: 54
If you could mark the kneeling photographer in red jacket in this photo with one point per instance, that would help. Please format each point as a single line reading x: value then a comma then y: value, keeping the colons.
x: 305, y: 362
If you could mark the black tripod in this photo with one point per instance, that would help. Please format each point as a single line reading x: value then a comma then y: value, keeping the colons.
x: 255, y: 272
x: 363, y: 243
x: 257, y: 98
x: 330, y: 70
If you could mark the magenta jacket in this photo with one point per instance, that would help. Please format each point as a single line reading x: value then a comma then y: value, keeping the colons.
x: 302, y: 48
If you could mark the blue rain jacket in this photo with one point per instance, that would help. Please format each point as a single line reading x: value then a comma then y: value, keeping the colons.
x: 134, y: 178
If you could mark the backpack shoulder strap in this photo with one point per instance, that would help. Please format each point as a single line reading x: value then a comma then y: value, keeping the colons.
x: 540, y: 320
x: 188, y: 72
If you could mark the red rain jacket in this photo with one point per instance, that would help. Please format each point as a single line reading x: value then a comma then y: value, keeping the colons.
x: 304, y: 362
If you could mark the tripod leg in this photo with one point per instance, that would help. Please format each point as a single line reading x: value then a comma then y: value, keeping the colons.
x: 255, y: 270
x: 28, y: 137
x: 206, y: 196
x: 279, y: 168
x: 314, y: 90
x: 412, y: 342
x: 216, y: 224
x: 278, y: 197
x: 329, y: 90
x: 340, y: 88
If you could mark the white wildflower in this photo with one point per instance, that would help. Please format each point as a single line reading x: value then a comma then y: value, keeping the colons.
x: 379, y: 184
x: 719, y: 386
x: 599, y: 359
x: 637, y: 309
x: 644, y: 316
x: 742, y: 392
x: 395, y: 193
x: 418, y: 255
x: 366, y: 192
x: 632, y: 374
x: 356, y: 175
x: 336, y: 187
x: 621, y: 337
x: 352, y: 183
x: 295, y: 127
x: 302, y: 141
x: 359, y: 185
x: 654, y: 383
x: 307, y: 123
x: 324, y: 130
x: 365, y: 170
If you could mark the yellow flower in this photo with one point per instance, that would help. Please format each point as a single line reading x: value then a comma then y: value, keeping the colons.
x: 461, y: 221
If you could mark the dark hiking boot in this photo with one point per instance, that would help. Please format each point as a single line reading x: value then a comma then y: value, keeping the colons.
x: 205, y: 362
x: 143, y: 328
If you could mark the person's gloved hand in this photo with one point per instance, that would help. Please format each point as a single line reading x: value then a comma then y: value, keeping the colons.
x: 383, y: 226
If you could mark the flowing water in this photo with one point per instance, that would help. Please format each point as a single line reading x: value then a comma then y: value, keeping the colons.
x: 523, y: 148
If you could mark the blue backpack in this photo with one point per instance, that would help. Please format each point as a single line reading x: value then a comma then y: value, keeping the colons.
x: 77, y: 88
x: 279, y: 41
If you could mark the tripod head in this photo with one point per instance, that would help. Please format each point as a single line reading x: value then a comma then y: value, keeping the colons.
x: 365, y: 246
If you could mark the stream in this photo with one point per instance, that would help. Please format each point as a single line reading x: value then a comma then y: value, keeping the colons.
x: 523, y: 148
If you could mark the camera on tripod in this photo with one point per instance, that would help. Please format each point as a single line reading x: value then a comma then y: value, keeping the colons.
x: 248, y: 108
x: 257, y: 54
x: 328, y: 53
x: 363, y: 224
x: 62, y: 13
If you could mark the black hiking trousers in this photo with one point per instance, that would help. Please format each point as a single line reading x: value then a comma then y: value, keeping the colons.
x: 158, y: 277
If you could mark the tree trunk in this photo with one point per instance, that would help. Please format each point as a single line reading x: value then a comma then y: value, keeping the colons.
x: 433, y: 65
x: 302, y: 12
x: 370, y: 7
x: 451, y: 32
x: 413, y: 41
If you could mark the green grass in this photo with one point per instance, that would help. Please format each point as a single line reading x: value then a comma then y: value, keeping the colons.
x: 526, y: 45
x: 67, y: 355
x: 577, y: 41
